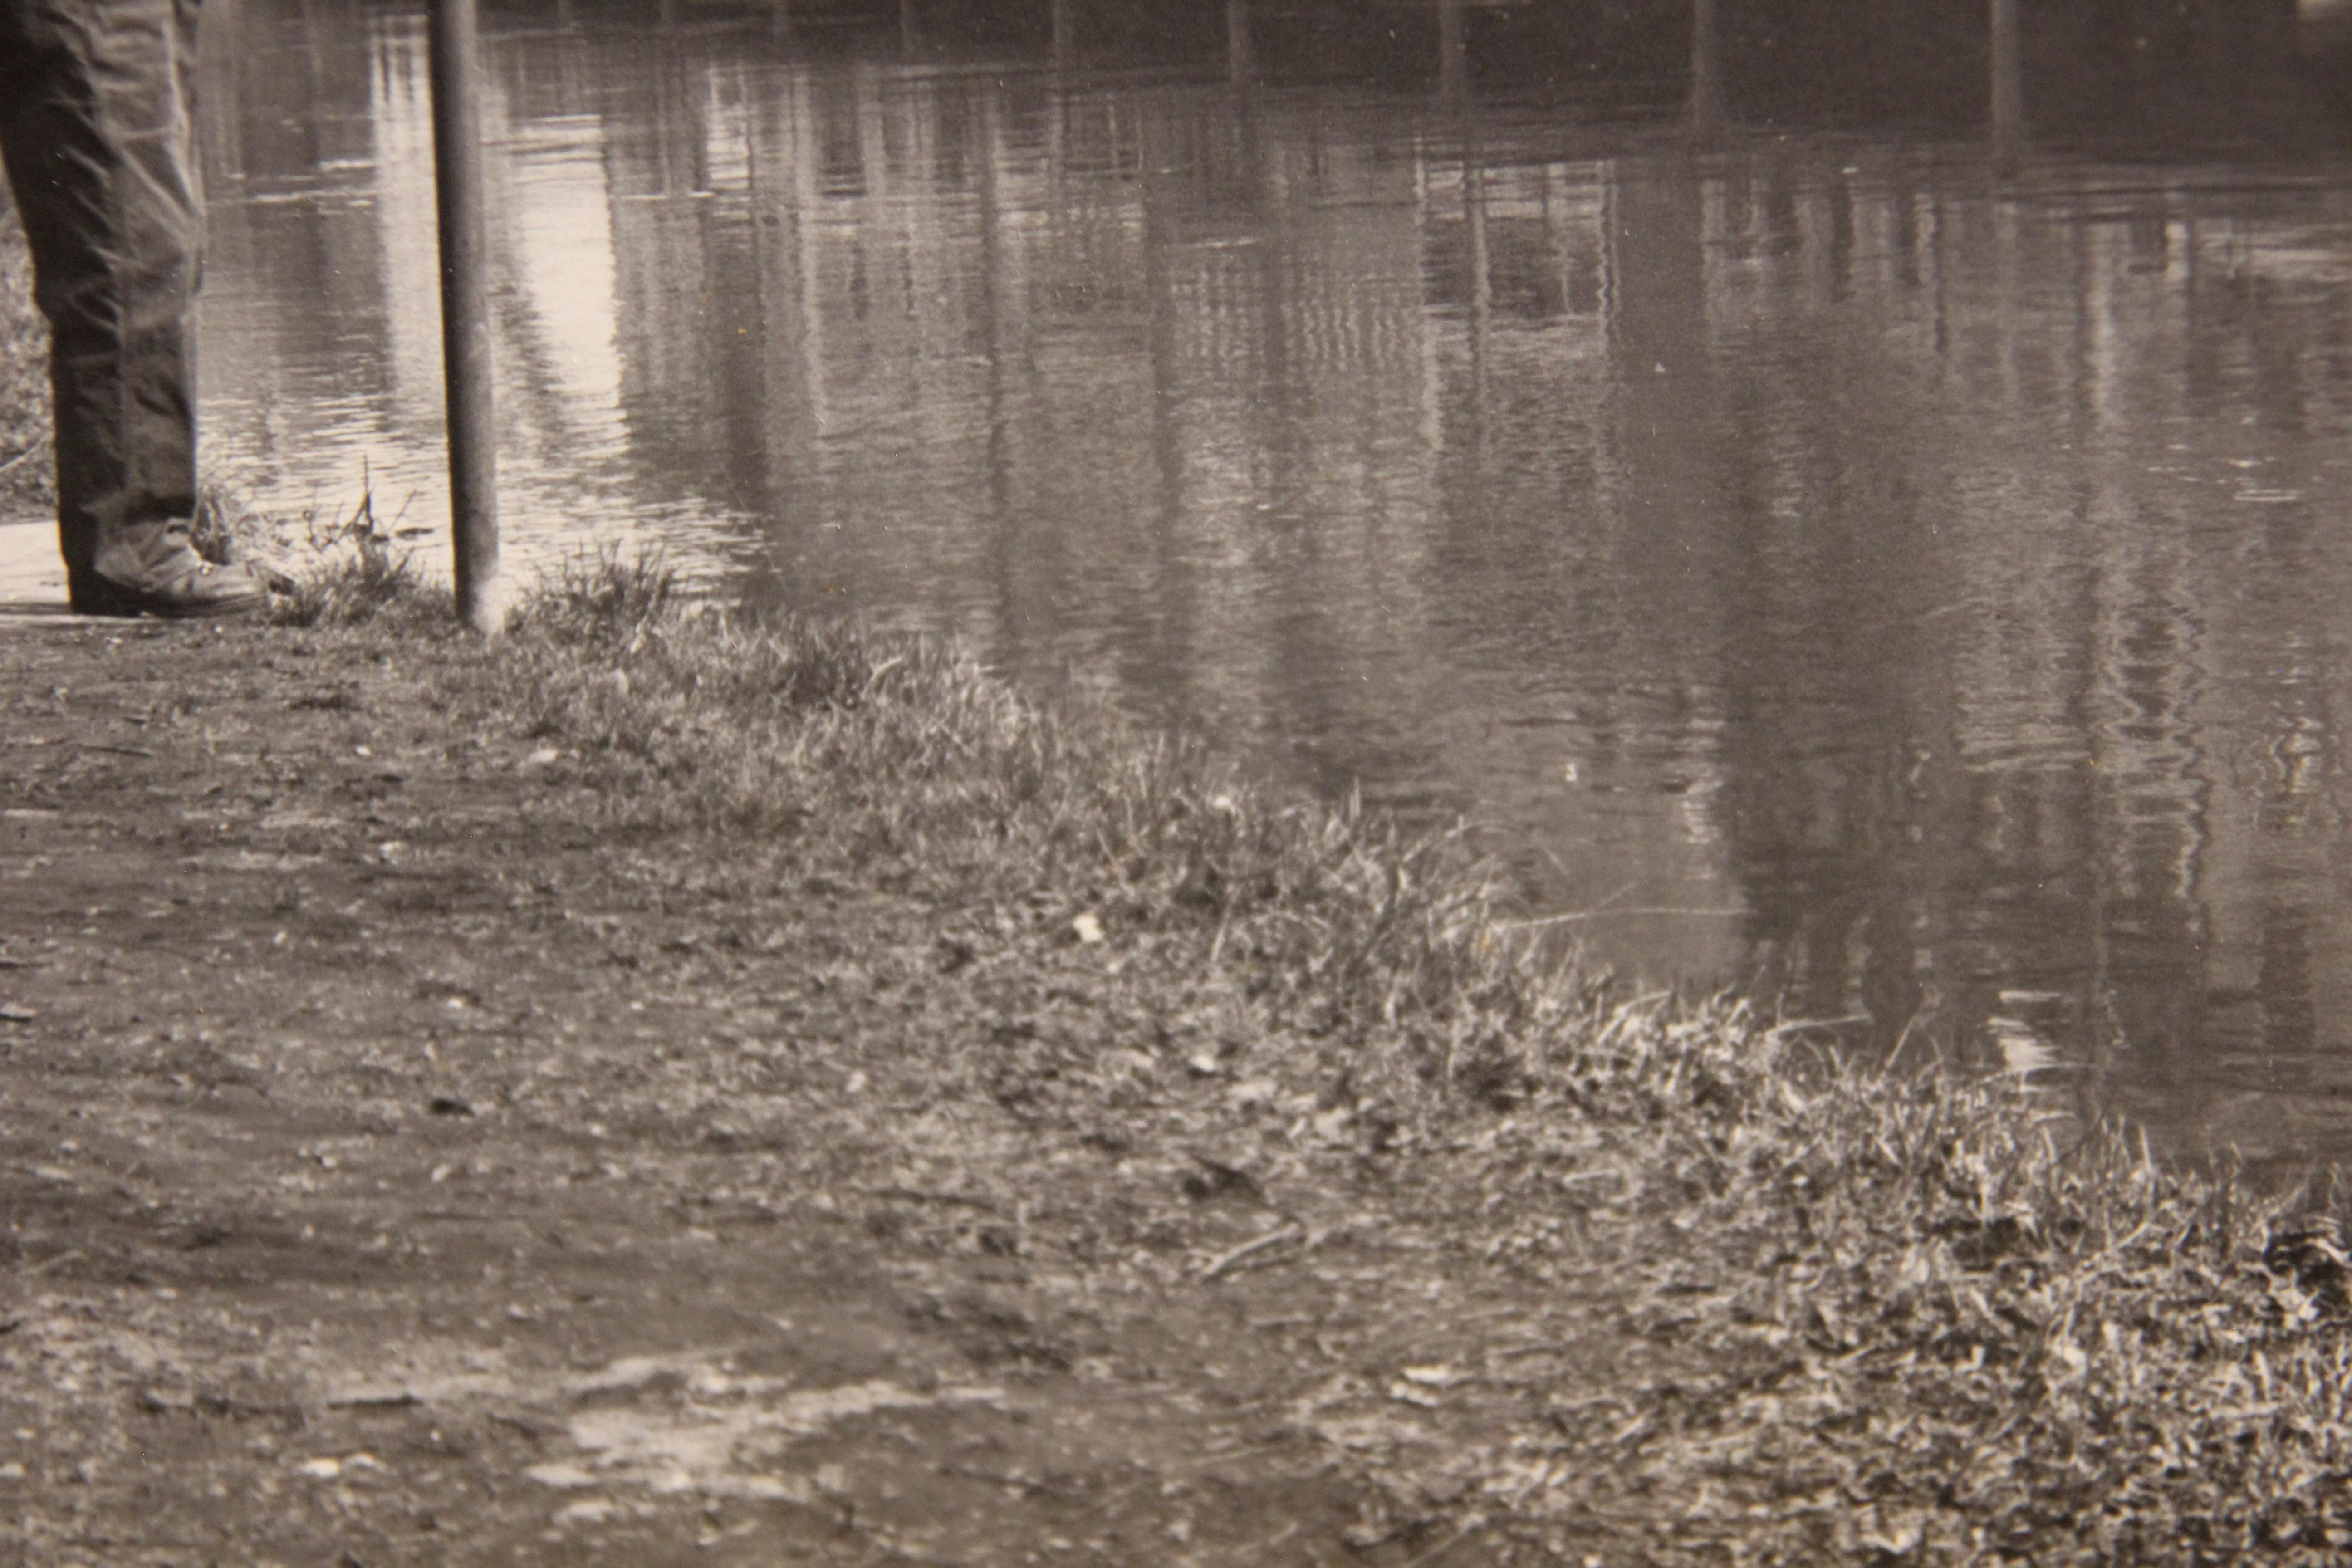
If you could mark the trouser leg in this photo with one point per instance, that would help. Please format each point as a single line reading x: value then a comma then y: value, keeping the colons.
x: 98, y: 129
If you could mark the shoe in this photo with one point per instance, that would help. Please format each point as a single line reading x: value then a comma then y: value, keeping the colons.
x: 152, y: 570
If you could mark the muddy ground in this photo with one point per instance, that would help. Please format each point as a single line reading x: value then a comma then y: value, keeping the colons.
x: 400, y: 1167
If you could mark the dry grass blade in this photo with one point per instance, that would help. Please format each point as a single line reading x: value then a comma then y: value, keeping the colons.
x: 1251, y: 1248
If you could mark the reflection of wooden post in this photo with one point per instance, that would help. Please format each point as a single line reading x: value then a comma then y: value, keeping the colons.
x: 1481, y: 278
x: 457, y: 78
x: 2009, y: 130
x: 911, y: 37
x: 1452, y: 54
x: 1064, y: 33
x: 1706, y: 69
x: 1240, y: 63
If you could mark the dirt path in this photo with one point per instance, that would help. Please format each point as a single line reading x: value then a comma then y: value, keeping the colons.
x: 397, y: 1168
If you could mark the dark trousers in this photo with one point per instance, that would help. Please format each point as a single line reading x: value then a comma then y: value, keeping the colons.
x: 96, y: 124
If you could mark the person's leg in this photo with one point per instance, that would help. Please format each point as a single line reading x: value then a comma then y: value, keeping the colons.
x: 96, y: 128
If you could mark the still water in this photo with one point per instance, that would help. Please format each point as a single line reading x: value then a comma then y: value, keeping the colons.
x: 1897, y: 567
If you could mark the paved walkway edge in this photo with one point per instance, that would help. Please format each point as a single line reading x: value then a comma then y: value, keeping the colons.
x: 32, y: 577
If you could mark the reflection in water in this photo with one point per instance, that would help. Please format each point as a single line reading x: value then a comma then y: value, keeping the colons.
x: 1892, y: 569
x: 2009, y: 129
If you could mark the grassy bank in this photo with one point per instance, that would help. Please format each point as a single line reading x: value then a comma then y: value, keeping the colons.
x: 1742, y: 1303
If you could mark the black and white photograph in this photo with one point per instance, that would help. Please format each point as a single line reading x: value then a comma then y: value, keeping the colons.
x: 1175, y: 783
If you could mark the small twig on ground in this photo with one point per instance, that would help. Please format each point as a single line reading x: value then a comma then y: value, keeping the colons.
x: 1237, y: 1451
x: 1799, y: 1026
x: 1017, y: 1482
x: 1576, y: 915
x: 917, y: 1196
x: 1250, y: 1249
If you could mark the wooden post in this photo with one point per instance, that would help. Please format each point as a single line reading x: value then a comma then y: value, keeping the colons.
x: 456, y: 77
x: 1065, y: 35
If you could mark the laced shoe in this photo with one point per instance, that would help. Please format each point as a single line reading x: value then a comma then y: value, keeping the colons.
x: 151, y: 569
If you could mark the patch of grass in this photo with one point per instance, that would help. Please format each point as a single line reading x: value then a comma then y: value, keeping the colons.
x: 28, y: 475
x: 1870, y: 1317
x: 355, y: 575
x: 601, y: 598
x: 918, y: 770
x: 1840, y: 1315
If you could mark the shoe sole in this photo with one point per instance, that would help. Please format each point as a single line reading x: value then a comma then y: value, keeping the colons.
x: 99, y: 597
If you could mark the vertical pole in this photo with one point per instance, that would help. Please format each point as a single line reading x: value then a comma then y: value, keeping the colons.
x: 1065, y: 35
x: 457, y: 75
x: 2009, y: 130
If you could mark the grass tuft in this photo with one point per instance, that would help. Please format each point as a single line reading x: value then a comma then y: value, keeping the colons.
x: 357, y: 574
x: 601, y: 598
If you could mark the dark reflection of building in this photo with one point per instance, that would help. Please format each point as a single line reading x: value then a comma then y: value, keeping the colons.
x: 2235, y: 69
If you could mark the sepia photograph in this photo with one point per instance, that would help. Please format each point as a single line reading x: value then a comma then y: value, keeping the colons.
x: 1175, y: 783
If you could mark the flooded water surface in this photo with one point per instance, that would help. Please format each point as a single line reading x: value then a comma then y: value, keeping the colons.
x: 1830, y: 541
